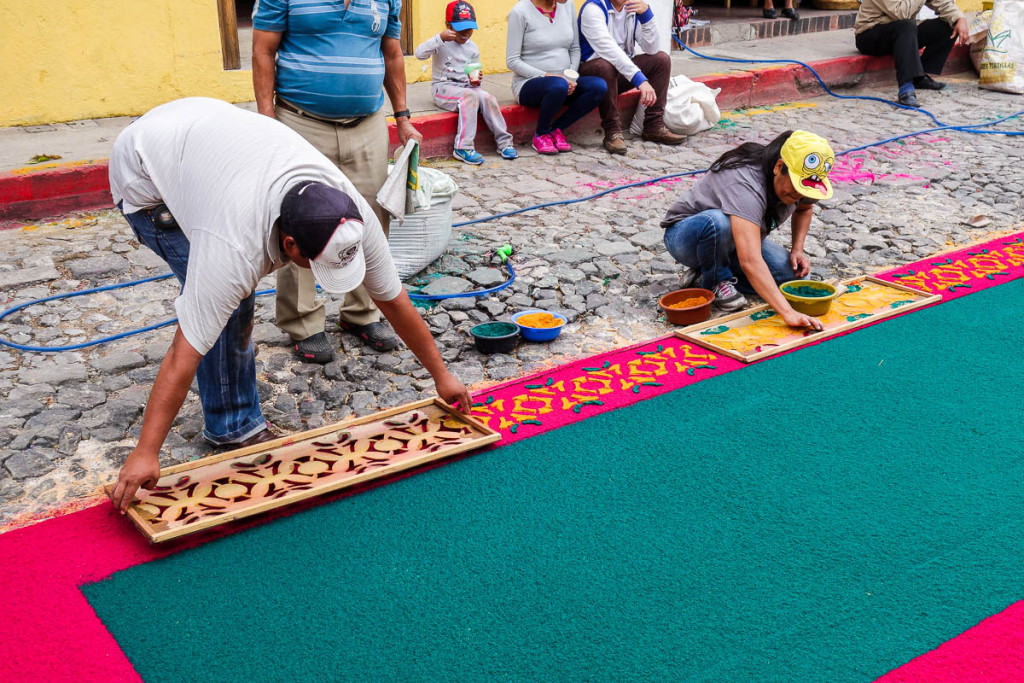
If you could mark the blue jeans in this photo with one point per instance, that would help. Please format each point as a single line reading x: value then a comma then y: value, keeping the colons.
x: 551, y: 92
x: 227, y: 373
x: 704, y: 241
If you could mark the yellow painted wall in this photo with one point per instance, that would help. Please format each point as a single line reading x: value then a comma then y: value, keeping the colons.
x: 65, y: 59
x: 491, y: 18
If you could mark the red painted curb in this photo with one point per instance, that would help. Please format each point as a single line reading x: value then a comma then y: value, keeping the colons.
x: 53, y: 191
x: 773, y: 86
x: 75, y: 187
x: 735, y: 88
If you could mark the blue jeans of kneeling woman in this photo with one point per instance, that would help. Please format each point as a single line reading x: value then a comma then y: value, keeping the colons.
x: 704, y: 242
x: 227, y: 374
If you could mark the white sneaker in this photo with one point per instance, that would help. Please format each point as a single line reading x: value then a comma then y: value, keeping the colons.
x: 688, y: 277
x: 727, y: 298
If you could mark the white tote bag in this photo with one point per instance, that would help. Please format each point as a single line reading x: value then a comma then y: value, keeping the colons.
x: 690, y: 108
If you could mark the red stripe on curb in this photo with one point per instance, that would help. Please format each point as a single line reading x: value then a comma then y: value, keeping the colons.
x: 76, y: 187
x: 735, y: 88
x: 50, y: 192
x: 773, y: 86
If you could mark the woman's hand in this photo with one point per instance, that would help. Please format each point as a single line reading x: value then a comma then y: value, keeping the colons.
x: 453, y: 391
x: 796, y: 319
x: 800, y: 263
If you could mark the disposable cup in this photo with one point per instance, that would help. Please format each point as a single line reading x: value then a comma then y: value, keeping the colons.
x: 570, y: 75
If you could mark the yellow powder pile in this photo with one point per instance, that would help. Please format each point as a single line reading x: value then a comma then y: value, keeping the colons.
x: 688, y: 303
x: 539, y: 320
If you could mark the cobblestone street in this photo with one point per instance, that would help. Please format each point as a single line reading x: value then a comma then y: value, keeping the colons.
x: 68, y: 419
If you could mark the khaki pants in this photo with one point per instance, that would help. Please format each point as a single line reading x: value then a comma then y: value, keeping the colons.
x: 361, y: 152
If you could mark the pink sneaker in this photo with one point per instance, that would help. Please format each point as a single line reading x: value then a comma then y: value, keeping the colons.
x: 561, y: 144
x: 544, y: 144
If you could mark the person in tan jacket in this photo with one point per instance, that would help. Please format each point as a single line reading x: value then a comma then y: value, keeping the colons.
x: 890, y: 27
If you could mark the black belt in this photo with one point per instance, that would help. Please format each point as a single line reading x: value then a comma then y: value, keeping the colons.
x: 344, y: 123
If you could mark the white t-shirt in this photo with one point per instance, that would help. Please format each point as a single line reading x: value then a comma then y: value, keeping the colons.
x: 223, y: 171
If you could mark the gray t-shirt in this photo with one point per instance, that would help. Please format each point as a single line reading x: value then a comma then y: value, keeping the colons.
x: 737, y: 191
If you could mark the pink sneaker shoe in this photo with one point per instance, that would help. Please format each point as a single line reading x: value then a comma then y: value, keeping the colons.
x: 544, y: 144
x: 561, y: 144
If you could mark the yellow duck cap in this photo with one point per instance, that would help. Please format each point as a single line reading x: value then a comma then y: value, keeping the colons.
x: 809, y: 159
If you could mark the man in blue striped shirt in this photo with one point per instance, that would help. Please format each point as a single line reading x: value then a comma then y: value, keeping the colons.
x: 318, y: 67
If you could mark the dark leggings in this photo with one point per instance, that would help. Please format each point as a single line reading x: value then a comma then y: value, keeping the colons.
x: 549, y: 93
x: 903, y: 39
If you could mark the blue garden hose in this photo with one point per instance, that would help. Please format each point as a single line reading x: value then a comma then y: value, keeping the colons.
x: 939, y: 126
x: 868, y: 98
x: 102, y: 340
x: 503, y: 253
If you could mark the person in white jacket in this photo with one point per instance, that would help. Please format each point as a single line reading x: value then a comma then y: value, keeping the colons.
x: 610, y: 30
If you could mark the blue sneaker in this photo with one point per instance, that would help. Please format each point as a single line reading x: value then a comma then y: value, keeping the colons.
x: 509, y: 153
x: 470, y: 156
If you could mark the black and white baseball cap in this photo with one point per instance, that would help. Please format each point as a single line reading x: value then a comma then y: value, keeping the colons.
x: 327, y: 227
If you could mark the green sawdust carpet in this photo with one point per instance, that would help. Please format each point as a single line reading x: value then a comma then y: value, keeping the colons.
x: 823, y: 516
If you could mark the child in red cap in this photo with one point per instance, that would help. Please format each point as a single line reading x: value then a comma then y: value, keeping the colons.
x: 456, y: 83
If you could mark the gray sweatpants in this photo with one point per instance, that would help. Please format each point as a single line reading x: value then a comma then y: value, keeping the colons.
x: 467, y: 101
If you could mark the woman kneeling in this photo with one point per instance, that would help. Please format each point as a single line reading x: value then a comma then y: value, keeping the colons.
x: 718, y: 229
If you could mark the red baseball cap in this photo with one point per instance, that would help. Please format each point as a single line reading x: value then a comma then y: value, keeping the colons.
x: 460, y: 15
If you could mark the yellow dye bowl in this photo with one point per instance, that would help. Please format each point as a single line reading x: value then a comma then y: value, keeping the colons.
x: 539, y: 334
x: 809, y: 305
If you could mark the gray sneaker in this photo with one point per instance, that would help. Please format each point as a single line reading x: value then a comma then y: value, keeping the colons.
x: 727, y: 298
x: 688, y: 277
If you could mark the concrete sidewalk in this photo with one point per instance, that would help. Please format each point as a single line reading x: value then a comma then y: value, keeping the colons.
x: 78, y: 180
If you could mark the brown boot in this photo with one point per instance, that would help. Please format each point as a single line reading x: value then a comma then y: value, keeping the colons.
x: 614, y: 143
x: 663, y: 136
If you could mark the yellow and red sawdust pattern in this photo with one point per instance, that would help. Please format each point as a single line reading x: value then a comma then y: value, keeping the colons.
x: 49, y: 632
x: 522, y: 407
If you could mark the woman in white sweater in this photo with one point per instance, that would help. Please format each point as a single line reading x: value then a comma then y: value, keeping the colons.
x: 543, y: 44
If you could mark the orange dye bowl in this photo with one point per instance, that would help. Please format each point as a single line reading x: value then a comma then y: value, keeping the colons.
x: 690, y: 315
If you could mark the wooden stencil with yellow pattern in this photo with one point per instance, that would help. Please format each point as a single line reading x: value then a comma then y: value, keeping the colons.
x: 760, y: 332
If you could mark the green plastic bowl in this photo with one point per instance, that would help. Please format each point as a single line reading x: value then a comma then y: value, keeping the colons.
x: 495, y: 337
x: 808, y: 305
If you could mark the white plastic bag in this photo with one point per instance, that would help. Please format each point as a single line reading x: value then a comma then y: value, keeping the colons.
x: 690, y: 108
x: 1002, y: 62
x: 426, y: 231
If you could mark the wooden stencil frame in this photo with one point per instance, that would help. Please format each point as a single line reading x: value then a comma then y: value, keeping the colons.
x: 482, y: 436
x: 692, y: 333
